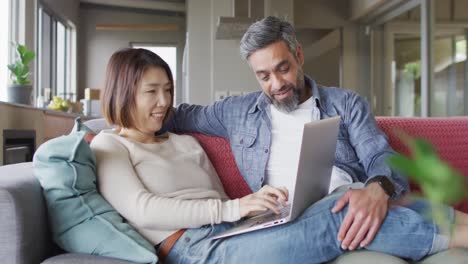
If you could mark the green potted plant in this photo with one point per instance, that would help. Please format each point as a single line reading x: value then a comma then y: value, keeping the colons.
x: 20, y: 90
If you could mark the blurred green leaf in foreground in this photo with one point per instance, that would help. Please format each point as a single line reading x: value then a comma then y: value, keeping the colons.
x: 439, y: 182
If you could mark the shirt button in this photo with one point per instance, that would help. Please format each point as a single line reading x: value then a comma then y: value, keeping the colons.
x: 242, y: 141
x: 261, y: 180
x: 266, y: 150
x: 187, y: 239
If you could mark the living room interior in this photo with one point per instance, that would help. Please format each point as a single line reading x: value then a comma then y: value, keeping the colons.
x: 407, y: 58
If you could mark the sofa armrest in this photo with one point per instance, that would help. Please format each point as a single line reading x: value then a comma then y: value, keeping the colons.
x: 23, y: 217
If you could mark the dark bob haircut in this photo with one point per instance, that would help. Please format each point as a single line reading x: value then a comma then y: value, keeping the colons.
x: 123, y: 75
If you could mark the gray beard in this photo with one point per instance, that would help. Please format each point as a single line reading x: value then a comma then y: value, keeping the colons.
x: 289, y: 104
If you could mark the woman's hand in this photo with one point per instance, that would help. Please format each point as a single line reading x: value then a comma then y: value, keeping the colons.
x: 266, y: 198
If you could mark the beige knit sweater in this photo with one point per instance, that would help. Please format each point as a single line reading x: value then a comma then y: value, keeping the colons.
x: 162, y: 187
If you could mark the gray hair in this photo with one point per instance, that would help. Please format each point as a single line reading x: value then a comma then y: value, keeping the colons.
x: 265, y: 32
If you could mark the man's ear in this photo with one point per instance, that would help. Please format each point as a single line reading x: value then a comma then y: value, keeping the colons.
x: 300, y: 55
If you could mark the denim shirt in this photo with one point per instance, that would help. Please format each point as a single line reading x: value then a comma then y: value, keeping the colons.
x: 245, y: 121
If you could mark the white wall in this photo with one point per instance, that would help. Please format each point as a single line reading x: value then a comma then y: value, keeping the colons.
x: 198, y: 48
x: 96, y: 46
x: 231, y: 72
x: 213, y: 65
x: 332, y: 15
x: 329, y: 14
x: 327, y: 72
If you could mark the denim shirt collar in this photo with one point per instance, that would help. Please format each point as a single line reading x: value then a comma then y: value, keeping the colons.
x: 315, y: 91
x: 260, y: 104
x: 263, y: 101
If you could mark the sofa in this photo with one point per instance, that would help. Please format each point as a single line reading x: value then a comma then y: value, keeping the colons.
x: 24, y: 230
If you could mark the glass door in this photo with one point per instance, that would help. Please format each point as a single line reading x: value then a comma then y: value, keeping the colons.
x: 447, y: 95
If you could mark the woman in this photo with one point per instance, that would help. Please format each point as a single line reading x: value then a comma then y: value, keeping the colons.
x: 164, y: 184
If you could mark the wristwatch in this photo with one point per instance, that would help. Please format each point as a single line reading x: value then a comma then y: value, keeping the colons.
x: 385, y: 184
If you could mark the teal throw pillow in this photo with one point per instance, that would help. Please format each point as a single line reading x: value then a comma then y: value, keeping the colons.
x: 81, y: 220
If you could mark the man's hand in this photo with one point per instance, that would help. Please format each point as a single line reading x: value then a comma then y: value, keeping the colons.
x: 367, y: 210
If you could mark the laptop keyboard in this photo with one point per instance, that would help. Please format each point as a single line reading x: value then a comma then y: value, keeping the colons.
x: 271, y: 216
x: 284, y: 211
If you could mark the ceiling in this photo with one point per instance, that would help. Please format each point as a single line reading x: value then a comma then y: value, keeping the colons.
x: 162, y: 5
x: 174, y: 1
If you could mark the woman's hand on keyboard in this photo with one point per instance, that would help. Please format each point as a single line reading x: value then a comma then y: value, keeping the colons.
x: 267, y: 197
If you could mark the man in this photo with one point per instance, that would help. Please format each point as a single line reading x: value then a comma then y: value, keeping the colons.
x: 264, y: 129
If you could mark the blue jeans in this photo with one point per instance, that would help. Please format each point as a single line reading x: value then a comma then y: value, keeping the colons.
x: 312, y: 238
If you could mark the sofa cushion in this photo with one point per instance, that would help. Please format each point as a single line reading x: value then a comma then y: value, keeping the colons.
x: 83, y: 258
x: 367, y: 257
x: 24, y: 236
x: 454, y: 255
x: 81, y: 220
x: 220, y: 154
x: 448, y: 135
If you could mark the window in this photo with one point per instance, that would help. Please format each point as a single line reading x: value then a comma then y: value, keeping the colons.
x: 447, y: 94
x: 54, y: 56
x: 168, y: 54
x: 4, y: 47
x: 419, y: 60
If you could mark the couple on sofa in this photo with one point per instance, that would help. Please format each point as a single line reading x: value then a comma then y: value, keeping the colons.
x: 167, y: 189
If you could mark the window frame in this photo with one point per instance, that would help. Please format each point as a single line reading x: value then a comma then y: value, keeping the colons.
x: 389, y: 32
x: 12, y: 37
x: 50, y: 72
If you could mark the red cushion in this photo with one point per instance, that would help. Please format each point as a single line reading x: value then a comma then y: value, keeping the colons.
x: 449, y: 136
x: 220, y: 154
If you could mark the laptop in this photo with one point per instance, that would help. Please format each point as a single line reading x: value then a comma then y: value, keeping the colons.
x: 316, y: 159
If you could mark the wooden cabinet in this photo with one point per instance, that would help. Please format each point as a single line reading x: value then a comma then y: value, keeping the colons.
x: 45, y: 123
x: 56, y: 125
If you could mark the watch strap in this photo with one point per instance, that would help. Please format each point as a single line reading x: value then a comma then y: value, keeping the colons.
x: 386, y: 185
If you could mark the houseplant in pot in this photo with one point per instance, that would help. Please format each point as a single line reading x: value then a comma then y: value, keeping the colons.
x: 20, y: 90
